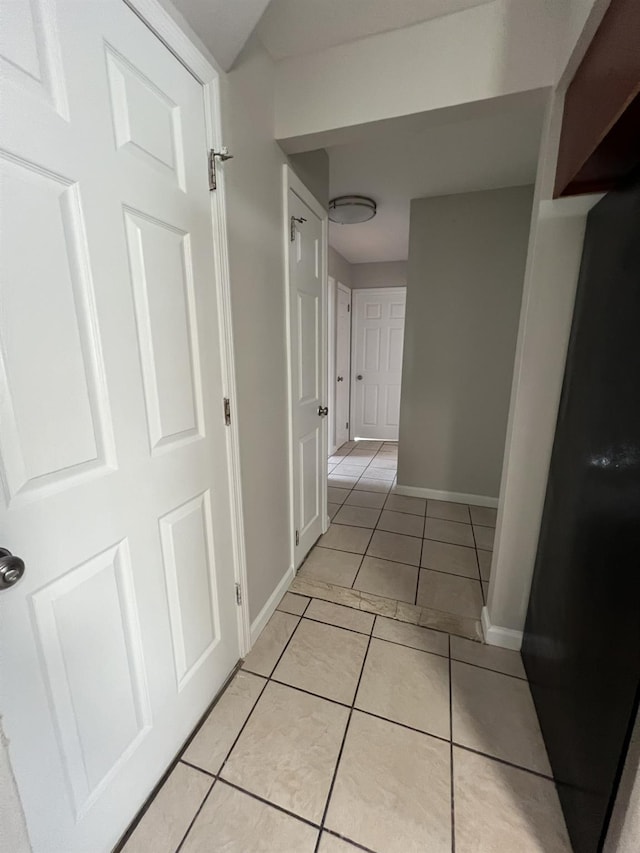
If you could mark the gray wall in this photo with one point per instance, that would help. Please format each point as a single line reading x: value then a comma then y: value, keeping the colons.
x: 381, y: 274
x: 312, y: 167
x: 339, y: 268
x: 466, y: 266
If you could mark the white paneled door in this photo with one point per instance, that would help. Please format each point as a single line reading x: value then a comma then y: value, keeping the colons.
x: 306, y: 240
x: 343, y: 363
x: 115, y: 487
x: 376, y: 366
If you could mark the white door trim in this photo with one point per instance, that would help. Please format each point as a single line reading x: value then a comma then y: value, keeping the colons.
x: 332, y: 332
x: 354, y: 294
x: 292, y: 182
x: 176, y: 40
x: 349, y: 292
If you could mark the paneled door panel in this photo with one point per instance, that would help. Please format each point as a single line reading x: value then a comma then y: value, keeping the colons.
x: 308, y: 353
x: 343, y: 363
x: 378, y: 338
x: 115, y: 483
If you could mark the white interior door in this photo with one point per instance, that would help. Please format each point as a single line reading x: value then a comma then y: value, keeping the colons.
x: 378, y: 338
x: 343, y: 363
x: 115, y: 487
x: 306, y: 239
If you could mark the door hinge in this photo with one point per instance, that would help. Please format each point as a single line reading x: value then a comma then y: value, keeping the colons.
x: 238, y: 594
x: 297, y: 538
x: 346, y: 426
x: 227, y: 411
x: 295, y: 219
x: 348, y: 308
x: 222, y: 155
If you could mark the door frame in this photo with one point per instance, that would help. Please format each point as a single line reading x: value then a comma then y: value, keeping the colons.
x: 354, y: 297
x: 290, y: 181
x: 349, y: 291
x: 332, y: 337
x: 163, y: 26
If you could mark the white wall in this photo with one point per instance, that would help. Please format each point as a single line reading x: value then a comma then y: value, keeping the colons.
x: 484, y: 52
x: 340, y: 269
x: 381, y: 274
x: 254, y: 193
x: 467, y: 256
x: 312, y: 167
x: 553, y: 263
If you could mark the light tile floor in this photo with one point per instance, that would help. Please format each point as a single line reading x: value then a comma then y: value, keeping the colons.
x: 424, y: 552
x: 347, y: 731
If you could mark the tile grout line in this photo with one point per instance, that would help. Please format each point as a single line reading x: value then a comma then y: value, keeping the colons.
x: 344, y: 739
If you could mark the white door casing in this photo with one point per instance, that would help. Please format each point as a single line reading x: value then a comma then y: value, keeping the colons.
x: 114, y: 455
x: 342, y: 378
x: 306, y: 294
x: 378, y: 337
x: 332, y: 291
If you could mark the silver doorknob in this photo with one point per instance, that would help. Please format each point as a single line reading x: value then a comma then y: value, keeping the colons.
x: 11, y: 569
x: 339, y: 379
x: 359, y: 377
x: 323, y: 411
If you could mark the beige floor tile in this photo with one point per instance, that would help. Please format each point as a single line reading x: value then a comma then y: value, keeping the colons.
x: 401, y: 522
x: 337, y: 496
x: 374, y: 500
x: 395, y: 546
x: 348, y: 470
x: 268, y: 647
x: 448, y: 510
x: 358, y: 516
x: 448, y: 531
x: 366, y: 484
x: 406, y: 686
x: 499, y: 808
x: 346, y: 538
x: 210, y: 746
x: 451, y: 593
x: 411, y: 635
x: 295, y: 604
x: 490, y: 657
x: 392, y: 790
x: 484, y: 537
x: 494, y: 714
x: 234, y: 822
x: 404, y: 503
x: 389, y: 579
x: 381, y: 462
x: 165, y: 822
x: 484, y: 561
x: 342, y: 481
x: 288, y: 750
x: 380, y: 474
x: 483, y: 515
x: 325, y: 564
x: 323, y: 659
x: 332, y: 510
x: 340, y: 616
x: 332, y: 844
x: 453, y: 559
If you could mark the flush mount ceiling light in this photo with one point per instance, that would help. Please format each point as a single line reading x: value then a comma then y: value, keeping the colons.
x: 351, y: 209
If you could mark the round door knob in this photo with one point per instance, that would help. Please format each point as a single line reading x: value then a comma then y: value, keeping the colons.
x: 323, y: 411
x: 340, y: 379
x: 359, y: 377
x: 11, y: 568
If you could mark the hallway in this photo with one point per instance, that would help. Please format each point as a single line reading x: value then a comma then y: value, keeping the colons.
x: 346, y: 731
x: 432, y: 554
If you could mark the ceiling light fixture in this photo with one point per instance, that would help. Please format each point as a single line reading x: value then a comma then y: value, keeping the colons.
x: 352, y: 209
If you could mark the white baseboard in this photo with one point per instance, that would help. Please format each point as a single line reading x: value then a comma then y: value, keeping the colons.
x: 272, y: 602
x: 506, y: 638
x: 454, y: 497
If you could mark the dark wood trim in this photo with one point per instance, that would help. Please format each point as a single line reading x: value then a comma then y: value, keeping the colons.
x: 600, y: 139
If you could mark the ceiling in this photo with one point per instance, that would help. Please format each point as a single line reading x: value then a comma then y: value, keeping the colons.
x: 223, y: 25
x: 413, y: 158
x: 294, y: 27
